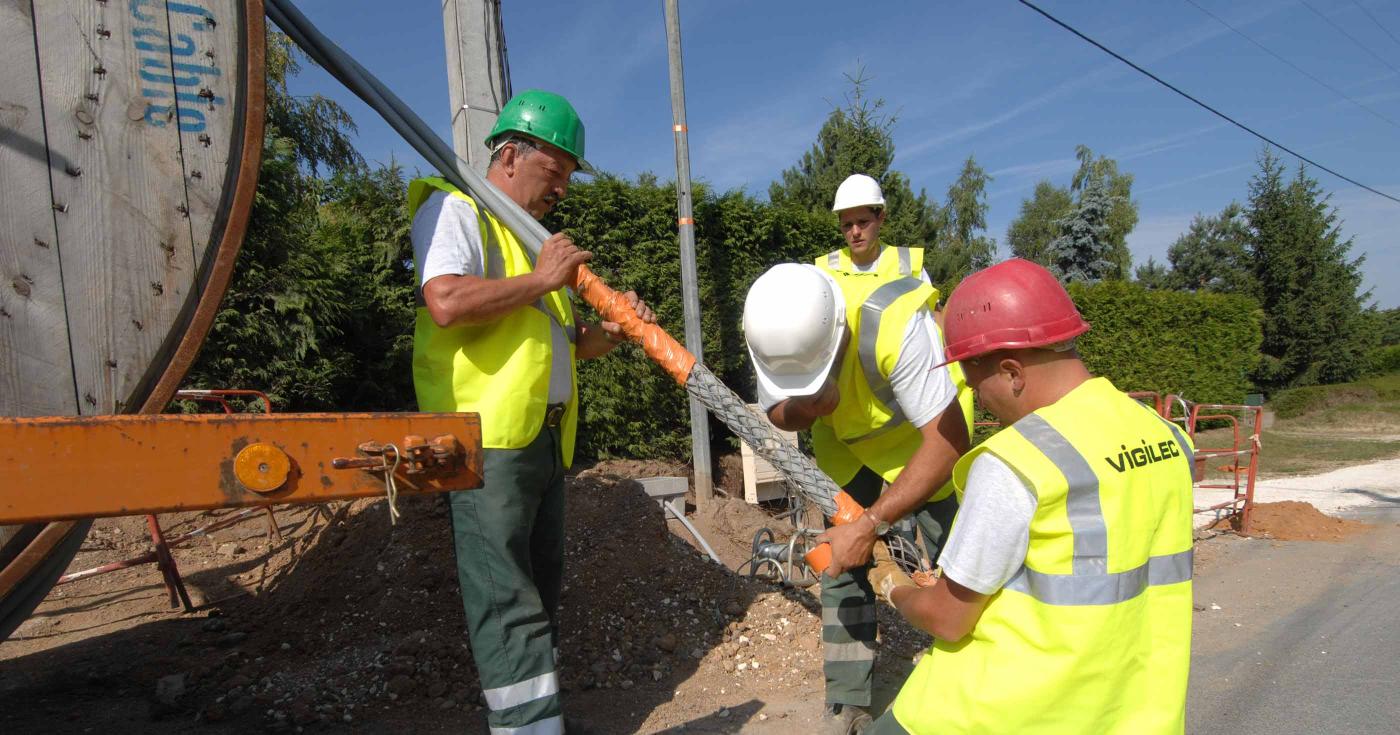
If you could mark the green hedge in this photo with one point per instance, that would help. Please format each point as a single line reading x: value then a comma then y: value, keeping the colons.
x: 1295, y: 402
x: 1198, y: 345
x: 628, y: 406
x: 1201, y: 346
x: 1384, y: 360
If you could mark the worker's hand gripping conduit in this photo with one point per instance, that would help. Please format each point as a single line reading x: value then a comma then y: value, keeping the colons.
x: 674, y: 358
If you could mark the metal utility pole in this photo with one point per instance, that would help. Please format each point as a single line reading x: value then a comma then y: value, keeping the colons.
x: 478, y: 74
x: 699, y: 420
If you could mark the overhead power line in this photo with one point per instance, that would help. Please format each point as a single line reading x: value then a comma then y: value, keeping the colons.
x: 1295, y: 67
x: 1375, y: 20
x: 1352, y: 38
x: 1214, y: 111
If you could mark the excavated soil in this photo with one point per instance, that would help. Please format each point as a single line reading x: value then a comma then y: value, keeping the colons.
x: 349, y: 623
x: 1293, y: 520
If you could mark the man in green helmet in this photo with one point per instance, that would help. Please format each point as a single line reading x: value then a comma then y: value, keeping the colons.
x: 496, y: 334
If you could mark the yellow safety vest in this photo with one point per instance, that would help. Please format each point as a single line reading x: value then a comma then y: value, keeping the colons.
x: 892, y: 263
x: 499, y: 370
x: 1093, y: 633
x: 887, y: 456
x: 868, y: 427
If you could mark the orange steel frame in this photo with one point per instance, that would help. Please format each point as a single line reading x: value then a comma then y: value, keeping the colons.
x: 160, y: 552
x: 55, y: 468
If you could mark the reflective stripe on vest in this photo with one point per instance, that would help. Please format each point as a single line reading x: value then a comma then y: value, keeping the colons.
x: 1090, y: 583
x: 1093, y: 632
x: 906, y: 265
x: 1102, y: 588
x: 870, y: 313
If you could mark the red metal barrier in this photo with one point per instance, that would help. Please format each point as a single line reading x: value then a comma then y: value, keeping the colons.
x: 1241, y: 455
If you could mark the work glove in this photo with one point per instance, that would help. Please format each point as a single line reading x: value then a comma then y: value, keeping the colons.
x: 885, y: 575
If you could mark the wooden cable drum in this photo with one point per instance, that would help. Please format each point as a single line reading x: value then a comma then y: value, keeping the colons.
x: 130, y: 139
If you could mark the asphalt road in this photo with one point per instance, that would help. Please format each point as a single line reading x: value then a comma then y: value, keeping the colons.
x: 1306, y: 637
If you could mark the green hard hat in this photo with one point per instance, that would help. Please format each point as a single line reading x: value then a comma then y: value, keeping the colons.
x: 546, y: 116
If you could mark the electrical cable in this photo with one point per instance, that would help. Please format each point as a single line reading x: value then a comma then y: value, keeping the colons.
x: 1295, y: 67
x: 1352, y: 38
x: 1375, y: 20
x: 1198, y: 102
x: 801, y: 473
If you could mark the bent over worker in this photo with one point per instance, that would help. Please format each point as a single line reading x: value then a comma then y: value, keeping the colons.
x: 496, y: 334
x: 860, y: 364
x: 1064, y: 603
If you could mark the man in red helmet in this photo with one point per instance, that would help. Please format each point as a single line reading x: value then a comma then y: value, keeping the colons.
x: 1064, y: 601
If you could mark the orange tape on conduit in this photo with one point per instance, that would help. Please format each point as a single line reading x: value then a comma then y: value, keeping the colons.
x: 661, y: 347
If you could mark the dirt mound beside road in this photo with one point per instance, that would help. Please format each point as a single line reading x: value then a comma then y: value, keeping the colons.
x: 1293, y: 520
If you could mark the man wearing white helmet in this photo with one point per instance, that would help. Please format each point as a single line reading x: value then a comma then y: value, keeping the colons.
x: 860, y: 208
x: 858, y: 362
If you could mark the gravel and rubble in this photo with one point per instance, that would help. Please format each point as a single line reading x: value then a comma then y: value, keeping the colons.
x: 354, y: 624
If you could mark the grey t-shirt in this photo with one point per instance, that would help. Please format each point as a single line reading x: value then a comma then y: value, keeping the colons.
x: 992, y: 529
x: 447, y: 241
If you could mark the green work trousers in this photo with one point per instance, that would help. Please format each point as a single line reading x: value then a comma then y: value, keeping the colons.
x: 848, y: 602
x: 509, y: 540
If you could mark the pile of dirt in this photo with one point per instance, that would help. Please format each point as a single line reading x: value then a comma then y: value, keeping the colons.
x: 352, y: 623
x: 1292, y: 520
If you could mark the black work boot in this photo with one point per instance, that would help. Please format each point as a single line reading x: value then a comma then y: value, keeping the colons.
x: 845, y: 719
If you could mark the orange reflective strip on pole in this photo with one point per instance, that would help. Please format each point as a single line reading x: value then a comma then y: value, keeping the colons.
x: 72, y: 467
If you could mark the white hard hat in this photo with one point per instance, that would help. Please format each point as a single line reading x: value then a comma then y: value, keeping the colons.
x: 794, y: 319
x: 858, y: 190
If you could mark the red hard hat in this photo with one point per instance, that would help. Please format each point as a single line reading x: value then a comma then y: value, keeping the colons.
x: 1011, y: 305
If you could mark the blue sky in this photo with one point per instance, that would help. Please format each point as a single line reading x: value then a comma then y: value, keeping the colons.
x: 989, y: 79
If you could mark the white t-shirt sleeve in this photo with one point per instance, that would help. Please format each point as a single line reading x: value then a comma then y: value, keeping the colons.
x: 446, y: 239
x: 922, y: 389
x: 992, y: 529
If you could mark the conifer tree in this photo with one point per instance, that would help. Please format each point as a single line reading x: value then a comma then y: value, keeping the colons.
x: 858, y: 139
x: 1306, y: 283
x: 1083, y: 251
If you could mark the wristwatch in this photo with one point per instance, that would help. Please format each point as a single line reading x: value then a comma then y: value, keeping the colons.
x: 881, y: 527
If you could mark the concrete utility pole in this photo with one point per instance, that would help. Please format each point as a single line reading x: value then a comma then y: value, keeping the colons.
x: 699, y: 420
x: 478, y: 74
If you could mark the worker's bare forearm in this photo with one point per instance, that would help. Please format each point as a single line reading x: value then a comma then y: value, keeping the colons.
x: 792, y: 415
x: 458, y: 300
x: 943, y: 441
x: 947, y: 610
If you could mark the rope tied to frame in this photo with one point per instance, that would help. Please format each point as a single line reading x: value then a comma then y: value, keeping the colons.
x: 391, y: 487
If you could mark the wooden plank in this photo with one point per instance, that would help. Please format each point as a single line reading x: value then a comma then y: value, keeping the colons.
x: 123, y: 234
x: 203, y: 59
x: 36, y: 372
x: 761, y: 481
